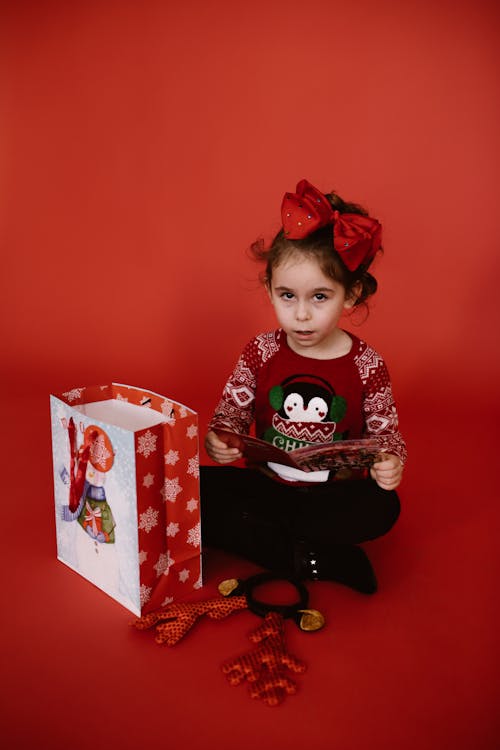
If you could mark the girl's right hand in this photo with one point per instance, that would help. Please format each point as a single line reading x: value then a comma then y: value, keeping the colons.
x: 219, y: 451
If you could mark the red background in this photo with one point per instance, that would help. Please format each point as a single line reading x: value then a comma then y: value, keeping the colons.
x: 143, y: 147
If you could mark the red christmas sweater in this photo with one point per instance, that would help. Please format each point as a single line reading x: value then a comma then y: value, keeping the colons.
x: 295, y: 400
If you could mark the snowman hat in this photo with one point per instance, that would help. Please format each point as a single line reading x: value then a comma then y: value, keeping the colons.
x: 101, y: 454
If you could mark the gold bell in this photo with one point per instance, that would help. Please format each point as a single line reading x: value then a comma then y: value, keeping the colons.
x: 311, y: 619
x: 227, y: 587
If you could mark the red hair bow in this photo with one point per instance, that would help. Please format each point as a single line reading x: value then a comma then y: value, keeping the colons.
x: 356, y: 238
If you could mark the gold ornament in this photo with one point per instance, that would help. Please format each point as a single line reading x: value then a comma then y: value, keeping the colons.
x: 227, y: 587
x: 311, y: 619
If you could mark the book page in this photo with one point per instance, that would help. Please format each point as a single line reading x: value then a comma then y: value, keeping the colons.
x: 352, y: 454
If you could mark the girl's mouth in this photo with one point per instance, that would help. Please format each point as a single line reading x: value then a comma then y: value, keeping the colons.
x: 303, y: 334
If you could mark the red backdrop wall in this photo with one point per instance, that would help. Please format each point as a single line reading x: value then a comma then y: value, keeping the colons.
x: 145, y: 145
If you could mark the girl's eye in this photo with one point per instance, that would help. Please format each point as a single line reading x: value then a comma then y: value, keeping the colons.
x: 320, y: 296
x: 287, y: 295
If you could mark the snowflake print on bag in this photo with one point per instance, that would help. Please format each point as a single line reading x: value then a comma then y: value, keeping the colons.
x: 171, y: 457
x: 148, y: 520
x: 192, y: 431
x: 164, y: 564
x: 172, y: 529
x: 192, y: 505
x: 148, y: 480
x: 147, y: 444
x: 143, y: 556
x: 168, y: 411
x: 194, y: 535
x: 183, y: 575
x: 73, y: 394
x: 171, y: 489
x: 145, y: 594
x: 194, y: 467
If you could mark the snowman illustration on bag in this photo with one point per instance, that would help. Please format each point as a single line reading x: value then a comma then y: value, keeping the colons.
x: 88, y: 505
x: 95, y: 515
x: 307, y: 410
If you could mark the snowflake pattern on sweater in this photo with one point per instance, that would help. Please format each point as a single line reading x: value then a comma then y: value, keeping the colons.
x: 296, y: 400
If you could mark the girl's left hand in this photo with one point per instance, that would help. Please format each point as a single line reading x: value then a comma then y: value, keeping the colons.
x: 388, y: 471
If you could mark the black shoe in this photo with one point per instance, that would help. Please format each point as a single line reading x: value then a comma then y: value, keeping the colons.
x: 342, y: 563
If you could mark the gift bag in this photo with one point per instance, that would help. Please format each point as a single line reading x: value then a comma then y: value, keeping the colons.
x: 126, y: 485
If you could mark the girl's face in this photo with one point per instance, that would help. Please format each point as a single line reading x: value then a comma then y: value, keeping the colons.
x: 309, y: 306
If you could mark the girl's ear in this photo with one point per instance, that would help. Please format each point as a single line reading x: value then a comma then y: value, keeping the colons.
x: 353, y: 295
x: 267, y: 287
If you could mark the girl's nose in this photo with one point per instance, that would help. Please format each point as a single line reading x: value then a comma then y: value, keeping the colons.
x: 303, y: 312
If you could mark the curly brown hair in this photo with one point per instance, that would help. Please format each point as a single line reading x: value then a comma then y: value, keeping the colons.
x: 319, y: 245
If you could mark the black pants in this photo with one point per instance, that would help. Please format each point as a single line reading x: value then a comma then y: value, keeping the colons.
x: 249, y: 514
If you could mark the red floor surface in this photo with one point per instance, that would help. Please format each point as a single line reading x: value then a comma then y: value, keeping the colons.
x: 415, y: 666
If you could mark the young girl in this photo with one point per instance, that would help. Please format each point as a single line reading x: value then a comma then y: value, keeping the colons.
x: 307, y: 382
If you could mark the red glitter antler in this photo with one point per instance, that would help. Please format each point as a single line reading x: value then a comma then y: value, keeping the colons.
x: 265, y: 667
x: 175, y: 620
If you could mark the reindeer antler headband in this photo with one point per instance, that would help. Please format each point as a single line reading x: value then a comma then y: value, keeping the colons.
x: 356, y: 238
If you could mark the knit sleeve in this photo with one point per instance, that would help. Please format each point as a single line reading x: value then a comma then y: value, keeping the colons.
x: 379, y: 408
x: 236, y: 408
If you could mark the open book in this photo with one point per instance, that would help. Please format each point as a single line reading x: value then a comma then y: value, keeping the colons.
x: 350, y: 454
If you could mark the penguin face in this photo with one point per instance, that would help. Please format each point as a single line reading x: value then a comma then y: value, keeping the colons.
x: 317, y: 409
x: 302, y: 401
x: 298, y: 410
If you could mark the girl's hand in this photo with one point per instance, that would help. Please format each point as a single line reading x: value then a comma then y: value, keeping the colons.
x: 219, y: 451
x: 387, y: 471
